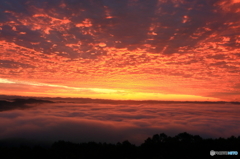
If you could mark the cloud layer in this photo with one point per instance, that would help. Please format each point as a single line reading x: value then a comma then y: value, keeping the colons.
x: 118, y: 122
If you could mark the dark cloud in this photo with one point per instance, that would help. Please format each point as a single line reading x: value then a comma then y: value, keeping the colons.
x: 13, y: 64
x: 130, y: 22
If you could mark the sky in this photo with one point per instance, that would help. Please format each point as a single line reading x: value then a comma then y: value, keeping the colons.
x: 187, y: 50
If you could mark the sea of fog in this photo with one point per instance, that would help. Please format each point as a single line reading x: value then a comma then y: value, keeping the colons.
x: 114, y: 123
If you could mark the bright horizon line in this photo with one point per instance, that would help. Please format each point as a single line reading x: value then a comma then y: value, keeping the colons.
x: 64, y: 91
x: 29, y: 96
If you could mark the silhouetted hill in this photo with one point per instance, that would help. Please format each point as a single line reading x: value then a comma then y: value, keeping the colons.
x: 20, y: 103
x: 159, y: 146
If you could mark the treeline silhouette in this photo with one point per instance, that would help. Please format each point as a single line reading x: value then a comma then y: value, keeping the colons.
x: 159, y: 146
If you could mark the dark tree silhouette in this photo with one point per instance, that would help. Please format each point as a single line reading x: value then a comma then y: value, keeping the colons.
x: 159, y: 146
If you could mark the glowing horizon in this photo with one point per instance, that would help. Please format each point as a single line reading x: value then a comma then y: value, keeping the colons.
x: 107, y: 93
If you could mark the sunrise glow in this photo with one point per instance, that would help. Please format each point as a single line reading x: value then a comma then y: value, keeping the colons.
x: 140, y: 50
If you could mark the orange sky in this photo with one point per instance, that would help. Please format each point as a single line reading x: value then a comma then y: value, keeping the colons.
x: 128, y: 49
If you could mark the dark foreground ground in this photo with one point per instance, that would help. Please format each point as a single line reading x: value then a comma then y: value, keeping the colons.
x: 183, y: 146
